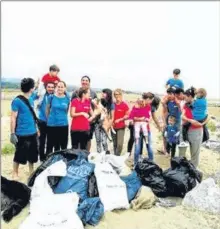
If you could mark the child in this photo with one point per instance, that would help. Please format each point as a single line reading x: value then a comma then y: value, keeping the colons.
x: 199, y: 110
x: 50, y: 77
x: 172, y: 136
x: 200, y: 105
x: 138, y: 112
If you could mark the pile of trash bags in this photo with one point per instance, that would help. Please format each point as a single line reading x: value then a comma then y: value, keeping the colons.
x: 176, y: 181
x: 73, y: 187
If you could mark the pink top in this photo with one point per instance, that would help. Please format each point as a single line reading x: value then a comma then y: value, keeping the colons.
x: 138, y: 112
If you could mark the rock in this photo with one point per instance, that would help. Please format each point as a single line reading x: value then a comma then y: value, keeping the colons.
x: 204, y: 197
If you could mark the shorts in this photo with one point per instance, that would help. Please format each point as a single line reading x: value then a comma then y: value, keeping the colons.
x: 26, y: 149
x: 91, y: 131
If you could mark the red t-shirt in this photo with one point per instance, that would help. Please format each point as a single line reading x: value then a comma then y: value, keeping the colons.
x: 189, y: 114
x: 120, y: 111
x: 48, y: 78
x: 80, y: 123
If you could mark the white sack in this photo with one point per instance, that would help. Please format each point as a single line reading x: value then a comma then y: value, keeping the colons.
x: 112, y: 190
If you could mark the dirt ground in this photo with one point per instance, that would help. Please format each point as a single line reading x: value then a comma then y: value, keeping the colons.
x: 155, y: 218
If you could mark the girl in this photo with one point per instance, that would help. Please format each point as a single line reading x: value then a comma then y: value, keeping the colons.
x: 80, y: 112
x: 57, y: 122
x: 100, y: 134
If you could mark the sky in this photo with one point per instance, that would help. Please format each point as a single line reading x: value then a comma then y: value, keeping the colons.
x: 129, y: 45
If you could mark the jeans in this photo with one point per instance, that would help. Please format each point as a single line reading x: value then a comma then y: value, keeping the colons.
x: 148, y: 147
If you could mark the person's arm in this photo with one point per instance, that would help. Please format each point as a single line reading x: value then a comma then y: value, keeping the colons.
x: 156, y: 121
x: 126, y: 116
x: 92, y: 115
x: 167, y: 84
x: 192, y: 121
x: 14, y: 115
x: 164, y: 114
x: 73, y: 113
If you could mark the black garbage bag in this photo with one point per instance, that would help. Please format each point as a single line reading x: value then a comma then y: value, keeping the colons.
x: 91, y: 211
x: 151, y: 175
x: 93, y: 188
x: 14, y: 197
x: 65, y: 155
x: 181, y: 177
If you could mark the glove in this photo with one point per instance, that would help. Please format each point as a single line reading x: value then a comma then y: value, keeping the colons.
x: 13, y: 139
x: 177, y: 134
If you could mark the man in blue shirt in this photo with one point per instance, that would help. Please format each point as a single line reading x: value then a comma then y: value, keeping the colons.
x: 175, y: 81
x: 42, y: 108
x: 24, y: 129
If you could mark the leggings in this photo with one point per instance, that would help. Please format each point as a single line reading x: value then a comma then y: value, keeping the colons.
x: 57, y: 138
x: 101, y: 139
x: 79, y: 139
x: 131, y: 140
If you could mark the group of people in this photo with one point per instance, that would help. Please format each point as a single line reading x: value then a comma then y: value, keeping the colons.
x: 35, y: 136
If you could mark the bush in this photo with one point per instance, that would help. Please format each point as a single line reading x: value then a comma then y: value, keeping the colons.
x: 211, y: 126
x: 8, y: 149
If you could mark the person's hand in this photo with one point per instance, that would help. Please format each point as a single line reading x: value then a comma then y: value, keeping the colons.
x: 85, y: 114
x: 164, y: 100
x: 195, y: 123
x: 56, y: 82
x: 117, y: 120
x: 13, y: 139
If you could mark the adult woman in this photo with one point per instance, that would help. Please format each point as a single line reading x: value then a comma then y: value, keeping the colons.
x: 57, y: 122
x: 154, y: 107
x: 195, y: 132
x: 120, y: 115
x: 80, y: 111
x: 100, y: 134
x: 148, y: 99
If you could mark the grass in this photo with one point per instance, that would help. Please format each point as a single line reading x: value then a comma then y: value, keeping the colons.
x: 8, y: 148
x: 211, y: 126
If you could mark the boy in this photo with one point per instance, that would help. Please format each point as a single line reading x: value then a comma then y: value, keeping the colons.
x: 24, y: 129
x: 171, y: 134
x: 175, y: 81
x: 52, y: 77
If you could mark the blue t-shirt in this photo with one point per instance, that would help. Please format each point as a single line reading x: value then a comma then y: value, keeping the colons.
x: 43, y: 107
x: 171, y: 131
x: 26, y: 124
x: 175, y: 83
x: 58, y: 110
x: 199, y: 109
x: 174, y: 110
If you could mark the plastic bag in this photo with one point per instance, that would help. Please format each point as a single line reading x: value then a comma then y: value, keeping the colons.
x: 151, y: 175
x: 181, y: 177
x: 53, y: 212
x: 91, y: 211
x: 133, y: 184
x: 112, y: 190
x: 76, y: 180
x: 92, y: 188
x: 14, y: 197
x: 51, y: 160
x: 41, y: 186
x: 65, y: 155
